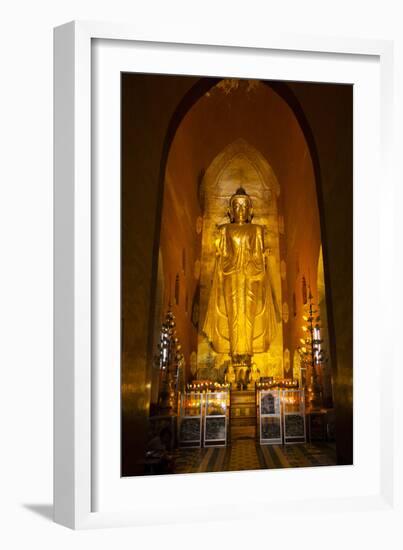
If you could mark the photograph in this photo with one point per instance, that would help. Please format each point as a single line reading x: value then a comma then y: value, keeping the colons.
x: 236, y: 274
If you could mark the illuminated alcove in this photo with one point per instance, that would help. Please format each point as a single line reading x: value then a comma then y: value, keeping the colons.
x: 237, y: 133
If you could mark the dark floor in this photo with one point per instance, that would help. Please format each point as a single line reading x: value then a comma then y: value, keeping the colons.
x: 246, y: 454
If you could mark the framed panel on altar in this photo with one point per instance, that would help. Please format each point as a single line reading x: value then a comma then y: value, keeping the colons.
x: 293, y: 403
x: 216, y: 419
x: 190, y: 420
x: 271, y: 431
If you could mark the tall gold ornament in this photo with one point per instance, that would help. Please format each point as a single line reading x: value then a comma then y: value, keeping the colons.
x: 242, y: 313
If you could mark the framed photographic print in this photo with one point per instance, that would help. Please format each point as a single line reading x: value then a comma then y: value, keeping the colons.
x: 218, y: 223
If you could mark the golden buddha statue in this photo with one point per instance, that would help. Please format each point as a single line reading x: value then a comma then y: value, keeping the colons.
x: 230, y: 376
x: 242, y: 313
x: 253, y: 376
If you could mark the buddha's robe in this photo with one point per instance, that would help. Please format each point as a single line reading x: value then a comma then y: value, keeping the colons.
x: 242, y: 313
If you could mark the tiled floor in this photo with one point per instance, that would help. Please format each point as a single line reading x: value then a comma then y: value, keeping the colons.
x: 246, y: 454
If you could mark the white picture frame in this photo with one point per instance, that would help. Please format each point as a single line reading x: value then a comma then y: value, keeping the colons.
x: 76, y: 389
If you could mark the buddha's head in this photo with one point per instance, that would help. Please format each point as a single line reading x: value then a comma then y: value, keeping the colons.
x: 240, y: 207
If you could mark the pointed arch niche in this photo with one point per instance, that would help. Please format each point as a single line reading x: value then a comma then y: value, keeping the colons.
x: 239, y: 164
x: 237, y: 132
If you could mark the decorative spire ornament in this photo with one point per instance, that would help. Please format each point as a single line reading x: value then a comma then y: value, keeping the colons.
x: 312, y: 352
x: 171, y: 362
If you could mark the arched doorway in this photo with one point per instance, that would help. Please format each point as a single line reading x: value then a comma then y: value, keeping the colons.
x: 238, y: 132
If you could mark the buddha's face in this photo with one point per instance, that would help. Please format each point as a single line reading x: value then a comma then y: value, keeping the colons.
x: 241, y: 209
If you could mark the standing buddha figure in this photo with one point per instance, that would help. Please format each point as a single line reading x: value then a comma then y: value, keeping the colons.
x: 242, y: 313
